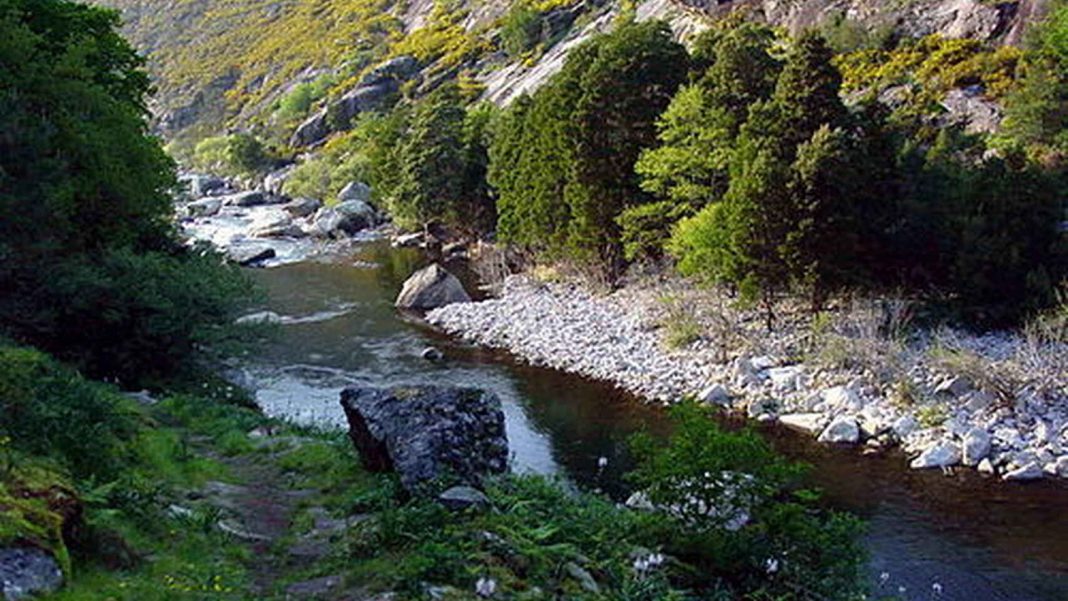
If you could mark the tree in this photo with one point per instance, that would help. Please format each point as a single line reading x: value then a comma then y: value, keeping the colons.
x: 90, y: 268
x: 431, y: 160
x: 698, y: 131
x: 440, y: 164
x: 562, y: 161
x: 788, y: 210
x: 1036, y: 111
x: 820, y: 249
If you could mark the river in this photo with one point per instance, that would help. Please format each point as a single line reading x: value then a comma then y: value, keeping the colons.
x: 969, y: 537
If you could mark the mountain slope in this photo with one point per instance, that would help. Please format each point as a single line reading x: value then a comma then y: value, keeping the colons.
x: 226, y: 63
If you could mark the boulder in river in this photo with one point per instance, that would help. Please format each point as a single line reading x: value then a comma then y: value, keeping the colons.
x: 199, y: 185
x: 344, y: 219
x: 248, y: 256
x: 426, y: 433
x: 302, y: 207
x: 430, y: 288
x: 27, y: 572
x: 205, y: 207
x: 251, y: 198
x: 842, y: 430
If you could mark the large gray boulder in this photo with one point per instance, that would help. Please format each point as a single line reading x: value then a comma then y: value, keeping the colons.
x: 205, y: 207
x: 355, y: 191
x: 970, y: 108
x: 428, y: 433
x: 302, y: 207
x: 344, y: 219
x: 374, y: 91
x: 199, y: 185
x: 27, y: 572
x: 398, y: 68
x: 250, y: 256
x: 430, y: 288
x: 251, y: 198
x: 275, y: 181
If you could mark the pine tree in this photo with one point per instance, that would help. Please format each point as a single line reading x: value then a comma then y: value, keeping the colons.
x: 637, y: 70
x: 431, y: 165
x: 697, y: 133
x: 562, y: 162
x: 820, y: 249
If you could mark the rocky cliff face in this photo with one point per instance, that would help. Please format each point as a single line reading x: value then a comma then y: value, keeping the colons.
x: 224, y: 63
x: 981, y: 19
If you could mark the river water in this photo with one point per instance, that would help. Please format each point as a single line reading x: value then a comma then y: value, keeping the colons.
x: 976, y: 538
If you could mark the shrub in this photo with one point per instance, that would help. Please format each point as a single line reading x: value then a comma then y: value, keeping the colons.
x: 297, y: 103
x: 521, y: 29
x: 47, y: 410
x: 737, y: 515
x: 235, y: 154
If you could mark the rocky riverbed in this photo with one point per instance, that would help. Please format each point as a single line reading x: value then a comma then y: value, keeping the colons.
x: 995, y: 402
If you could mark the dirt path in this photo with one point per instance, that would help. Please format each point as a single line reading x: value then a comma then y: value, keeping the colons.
x: 260, y: 510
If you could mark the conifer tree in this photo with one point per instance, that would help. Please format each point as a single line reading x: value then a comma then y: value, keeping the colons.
x: 431, y: 165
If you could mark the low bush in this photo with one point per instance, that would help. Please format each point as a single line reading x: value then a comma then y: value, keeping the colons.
x: 234, y: 154
x: 47, y: 410
x: 736, y: 512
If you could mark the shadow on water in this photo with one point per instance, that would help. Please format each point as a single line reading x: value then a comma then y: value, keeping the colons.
x: 979, y: 539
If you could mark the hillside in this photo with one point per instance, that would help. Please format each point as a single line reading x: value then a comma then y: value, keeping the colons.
x: 226, y: 63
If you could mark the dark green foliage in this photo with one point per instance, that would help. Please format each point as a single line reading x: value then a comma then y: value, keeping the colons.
x: 529, y: 166
x: 47, y: 410
x: 565, y: 159
x: 646, y: 228
x: 441, y: 163
x: 150, y: 311
x: 1036, y: 111
x: 787, y: 544
x: 819, y: 250
x: 982, y: 235
x: 430, y: 160
x: 90, y: 268
x: 521, y: 29
x: 698, y: 131
x: 788, y: 201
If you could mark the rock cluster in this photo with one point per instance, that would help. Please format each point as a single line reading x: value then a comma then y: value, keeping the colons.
x: 255, y: 226
x: 951, y: 421
x: 427, y: 434
x: 374, y: 91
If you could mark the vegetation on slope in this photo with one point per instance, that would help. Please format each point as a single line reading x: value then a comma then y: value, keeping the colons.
x: 750, y: 175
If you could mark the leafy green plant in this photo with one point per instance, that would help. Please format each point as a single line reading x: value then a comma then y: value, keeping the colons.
x: 234, y: 154
x: 737, y: 512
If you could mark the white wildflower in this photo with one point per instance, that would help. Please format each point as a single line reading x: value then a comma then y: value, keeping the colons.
x: 485, y: 587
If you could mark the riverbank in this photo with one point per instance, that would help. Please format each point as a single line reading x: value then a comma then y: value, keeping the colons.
x: 197, y: 496
x: 859, y: 375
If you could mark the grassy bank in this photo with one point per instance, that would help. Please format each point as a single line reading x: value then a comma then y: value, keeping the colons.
x: 196, y: 497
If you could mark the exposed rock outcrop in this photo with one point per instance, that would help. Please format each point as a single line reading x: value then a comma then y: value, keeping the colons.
x: 428, y: 433
x: 374, y: 91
